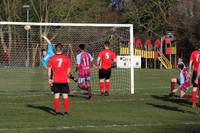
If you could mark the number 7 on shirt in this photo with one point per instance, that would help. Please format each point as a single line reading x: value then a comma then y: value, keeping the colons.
x: 59, y: 62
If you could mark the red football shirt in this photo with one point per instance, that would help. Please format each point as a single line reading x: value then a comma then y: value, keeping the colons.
x: 60, y: 64
x: 195, y: 58
x: 198, y: 60
x: 107, y: 56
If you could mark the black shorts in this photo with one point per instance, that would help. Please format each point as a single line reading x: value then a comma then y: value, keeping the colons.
x: 104, y: 73
x: 60, y: 88
x: 194, y: 76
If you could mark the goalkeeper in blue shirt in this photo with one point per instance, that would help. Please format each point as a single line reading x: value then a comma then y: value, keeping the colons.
x: 46, y: 55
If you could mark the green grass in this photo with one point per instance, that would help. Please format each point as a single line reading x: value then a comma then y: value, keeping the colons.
x: 25, y: 104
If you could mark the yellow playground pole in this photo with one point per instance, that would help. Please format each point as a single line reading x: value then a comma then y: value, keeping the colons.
x: 34, y: 55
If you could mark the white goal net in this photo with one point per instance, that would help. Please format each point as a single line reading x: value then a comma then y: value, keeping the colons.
x: 21, y: 45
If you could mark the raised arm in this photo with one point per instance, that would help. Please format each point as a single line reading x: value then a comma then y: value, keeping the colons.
x: 45, y: 38
x: 50, y: 50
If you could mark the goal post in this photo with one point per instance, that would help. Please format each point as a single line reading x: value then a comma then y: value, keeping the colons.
x: 23, y: 42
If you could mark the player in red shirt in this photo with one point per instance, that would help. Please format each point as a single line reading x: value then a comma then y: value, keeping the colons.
x: 198, y: 79
x: 194, y: 65
x: 105, y: 60
x: 61, y: 65
x: 83, y: 62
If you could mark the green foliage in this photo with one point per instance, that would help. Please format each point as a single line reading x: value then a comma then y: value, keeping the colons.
x: 10, y: 10
x: 150, y: 16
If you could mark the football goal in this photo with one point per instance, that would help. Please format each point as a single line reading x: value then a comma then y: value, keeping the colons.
x: 21, y: 45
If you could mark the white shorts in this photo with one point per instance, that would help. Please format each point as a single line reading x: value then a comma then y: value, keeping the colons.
x: 83, y: 80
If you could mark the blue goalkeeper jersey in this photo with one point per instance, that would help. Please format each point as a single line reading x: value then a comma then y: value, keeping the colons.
x: 49, y: 54
x: 182, y: 76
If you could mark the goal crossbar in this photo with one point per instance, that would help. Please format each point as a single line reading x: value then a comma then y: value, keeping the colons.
x: 65, y: 24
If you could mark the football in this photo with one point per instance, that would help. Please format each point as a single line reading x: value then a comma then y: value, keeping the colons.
x: 27, y: 27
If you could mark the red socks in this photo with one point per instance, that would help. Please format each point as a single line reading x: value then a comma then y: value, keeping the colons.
x: 66, y: 105
x: 107, y: 86
x: 173, y: 84
x: 101, y: 87
x: 193, y: 98
x: 56, y: 105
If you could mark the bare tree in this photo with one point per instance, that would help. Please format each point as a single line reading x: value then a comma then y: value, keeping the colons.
x: 9, y: 12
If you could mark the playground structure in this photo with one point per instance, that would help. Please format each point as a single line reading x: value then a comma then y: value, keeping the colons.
x: 162, y: 54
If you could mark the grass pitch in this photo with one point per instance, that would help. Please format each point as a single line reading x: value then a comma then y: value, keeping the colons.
x: 26, y: 107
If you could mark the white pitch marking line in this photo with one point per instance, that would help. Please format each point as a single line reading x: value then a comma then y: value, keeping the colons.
x: 96, y: 126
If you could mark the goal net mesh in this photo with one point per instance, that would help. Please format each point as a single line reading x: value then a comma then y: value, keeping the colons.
x: 20, y: 50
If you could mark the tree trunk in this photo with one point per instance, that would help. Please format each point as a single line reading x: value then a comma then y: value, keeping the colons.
x: 2, y: 39
x: 46, y: 17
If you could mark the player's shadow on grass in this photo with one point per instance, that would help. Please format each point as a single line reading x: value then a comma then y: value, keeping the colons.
x: 43, y: 108
x: 79, y: 96
x: 175, y: 99
x: 166, y: 107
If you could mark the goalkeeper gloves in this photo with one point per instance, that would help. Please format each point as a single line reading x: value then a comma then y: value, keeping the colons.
x: 73, y: 78
x: 114, y: 65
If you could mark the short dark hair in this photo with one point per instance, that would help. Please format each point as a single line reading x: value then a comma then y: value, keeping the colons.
x: 181, y: 66
x: 82, y: 46
x: 107, y: 43
x: 59, y: 47
x: 197, y: 45
x: 43, y: 49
